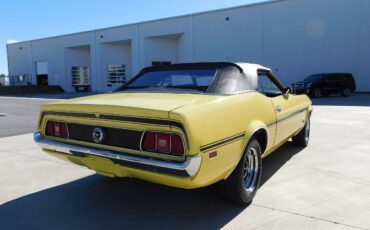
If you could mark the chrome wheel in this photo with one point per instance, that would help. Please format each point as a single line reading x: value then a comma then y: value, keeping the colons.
x: 250, y: 170
x: 241, y: 186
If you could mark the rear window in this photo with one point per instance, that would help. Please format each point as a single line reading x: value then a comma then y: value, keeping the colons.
x: 196, y: 79
x: 226, y: 79
x: 348, y: 76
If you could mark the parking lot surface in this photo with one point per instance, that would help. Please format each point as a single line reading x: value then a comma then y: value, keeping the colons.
x: 323, y: 186
x: 19, y: 115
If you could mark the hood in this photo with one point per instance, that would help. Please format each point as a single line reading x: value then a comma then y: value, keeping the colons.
x: 138, y: 104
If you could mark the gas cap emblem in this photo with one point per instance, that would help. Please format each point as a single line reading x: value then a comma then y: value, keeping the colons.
x: 98, y: 135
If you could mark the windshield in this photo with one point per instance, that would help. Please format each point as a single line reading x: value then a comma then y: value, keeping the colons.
x: 192, y: 79
x: 316, y: 77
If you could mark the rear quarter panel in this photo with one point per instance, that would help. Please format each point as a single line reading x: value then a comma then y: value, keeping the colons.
x: 225, y: 117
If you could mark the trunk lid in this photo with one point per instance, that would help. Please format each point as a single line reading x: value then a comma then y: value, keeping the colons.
x: 131, y: 104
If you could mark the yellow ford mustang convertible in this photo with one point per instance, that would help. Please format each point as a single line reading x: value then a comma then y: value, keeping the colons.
x: 182, y: 125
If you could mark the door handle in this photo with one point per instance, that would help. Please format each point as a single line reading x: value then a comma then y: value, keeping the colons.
x: 278, y: 109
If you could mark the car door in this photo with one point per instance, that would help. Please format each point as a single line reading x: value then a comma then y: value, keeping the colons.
x: 288, y: 118
x: 327, y: 84
x: 339, y: 83
x: 332, y: 83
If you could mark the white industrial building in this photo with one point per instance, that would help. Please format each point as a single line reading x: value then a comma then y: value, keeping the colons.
x: 295, y: 38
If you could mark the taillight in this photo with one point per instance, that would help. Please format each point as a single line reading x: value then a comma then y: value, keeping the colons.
x: 149, y: 142
x: 56, y: 129
x: 163, y: 143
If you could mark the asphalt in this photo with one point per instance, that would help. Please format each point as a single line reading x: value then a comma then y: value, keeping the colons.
x: 19, y: 115
x: 323, y: 186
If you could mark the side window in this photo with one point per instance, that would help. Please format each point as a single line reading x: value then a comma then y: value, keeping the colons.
x: 267, y: 87
x: 326, y: 79
x: 333, y: 78
x: 340, y: 78
x: 330, y: 78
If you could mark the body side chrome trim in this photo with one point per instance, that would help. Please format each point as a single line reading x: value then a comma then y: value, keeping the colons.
x: 187, y: 168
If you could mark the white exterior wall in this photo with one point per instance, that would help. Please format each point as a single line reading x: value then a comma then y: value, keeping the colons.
x: 20, y: 59
x: 305, y: 37
x: 295, y: 38
x: 238, y: 39
x: 165, y: 40
x: 76, y: 56
x: 113, y: 53
x: 363, y: 61
x: 117, y: 45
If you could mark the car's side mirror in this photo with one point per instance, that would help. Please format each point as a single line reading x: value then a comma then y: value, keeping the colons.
x: 288, y: 90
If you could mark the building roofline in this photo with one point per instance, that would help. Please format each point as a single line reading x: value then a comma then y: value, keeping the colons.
x: 266, y: 2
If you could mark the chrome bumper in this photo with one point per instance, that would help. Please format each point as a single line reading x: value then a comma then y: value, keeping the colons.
x: 189, y: 167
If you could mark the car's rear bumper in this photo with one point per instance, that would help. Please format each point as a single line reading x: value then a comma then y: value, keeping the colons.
x: 187, y: 168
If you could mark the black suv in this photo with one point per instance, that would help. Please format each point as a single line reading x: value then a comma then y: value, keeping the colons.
x: 318, y: 85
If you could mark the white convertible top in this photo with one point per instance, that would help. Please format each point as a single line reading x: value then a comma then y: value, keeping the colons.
x: 250, y: 72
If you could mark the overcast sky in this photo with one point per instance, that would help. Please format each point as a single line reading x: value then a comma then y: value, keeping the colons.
x: 25, y: 20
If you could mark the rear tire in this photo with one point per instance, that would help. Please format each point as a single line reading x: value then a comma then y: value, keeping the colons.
x: 303, y: 137
x: 241, y: 186
x: 346, y: 92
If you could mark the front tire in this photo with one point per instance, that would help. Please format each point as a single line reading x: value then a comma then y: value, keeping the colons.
x: 303, y: 137
x: 241, y: 186
x: 316, y: 93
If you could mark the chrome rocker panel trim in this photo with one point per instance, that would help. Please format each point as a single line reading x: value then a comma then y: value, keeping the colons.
x: 187, y: 168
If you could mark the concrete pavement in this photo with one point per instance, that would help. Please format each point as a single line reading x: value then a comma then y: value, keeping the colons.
x: 324, y: 186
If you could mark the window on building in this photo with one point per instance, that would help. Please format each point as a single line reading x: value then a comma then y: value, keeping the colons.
x: 116, y: 74
x: 161, y: 63
x: 80, y: 76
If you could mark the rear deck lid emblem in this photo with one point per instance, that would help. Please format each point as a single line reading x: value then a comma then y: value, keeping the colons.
x: 98, y: 135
